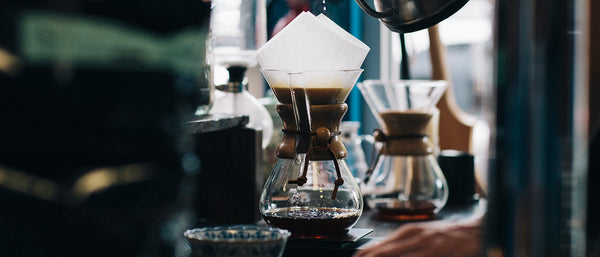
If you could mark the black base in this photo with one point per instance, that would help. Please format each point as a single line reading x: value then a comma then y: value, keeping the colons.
x: 334, y: 246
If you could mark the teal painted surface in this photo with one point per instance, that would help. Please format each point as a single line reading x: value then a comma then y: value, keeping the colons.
x: 354, y: 100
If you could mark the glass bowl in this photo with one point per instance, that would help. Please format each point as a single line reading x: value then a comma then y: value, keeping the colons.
x: 248, y: 241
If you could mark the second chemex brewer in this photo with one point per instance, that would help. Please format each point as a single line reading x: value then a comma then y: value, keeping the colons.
x: 405, y: 181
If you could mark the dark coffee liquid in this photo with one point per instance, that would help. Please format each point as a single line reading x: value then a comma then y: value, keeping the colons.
x: 394, y: 209
x: 311, y: 222
x: 316, y: 96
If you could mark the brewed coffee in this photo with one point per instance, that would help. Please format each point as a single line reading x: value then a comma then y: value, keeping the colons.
x: 312, y: 222
x: 316, y: 95
x: 403, y: 210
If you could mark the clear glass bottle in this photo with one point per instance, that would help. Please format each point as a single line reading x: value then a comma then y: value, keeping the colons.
x: 237, y: 29
x: 353, y: 142
x: 235, y: 99
x: 406, y: 182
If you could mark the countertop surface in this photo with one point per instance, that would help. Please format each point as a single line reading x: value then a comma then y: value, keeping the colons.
x: 380, y: 229
x: 214, y: 122
x: 451, y: 212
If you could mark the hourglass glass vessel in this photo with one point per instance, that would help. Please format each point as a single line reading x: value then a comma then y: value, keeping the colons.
x: 311, y: 191
x: 406, y: 181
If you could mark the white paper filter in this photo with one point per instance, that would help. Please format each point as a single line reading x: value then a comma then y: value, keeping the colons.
x: 312, y: 43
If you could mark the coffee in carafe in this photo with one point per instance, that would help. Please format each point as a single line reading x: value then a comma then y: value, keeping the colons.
x: 311, y: 191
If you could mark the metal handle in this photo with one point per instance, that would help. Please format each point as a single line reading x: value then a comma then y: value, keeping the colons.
x: 370, y: 11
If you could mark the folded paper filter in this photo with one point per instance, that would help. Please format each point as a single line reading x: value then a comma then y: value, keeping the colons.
x: 311, y: 43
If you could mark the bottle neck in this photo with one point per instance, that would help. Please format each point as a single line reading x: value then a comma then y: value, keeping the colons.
x: 232, y: 87
x: 237, y: 80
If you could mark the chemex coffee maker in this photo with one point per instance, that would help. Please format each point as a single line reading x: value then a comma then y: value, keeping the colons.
x: 405, y: 181
x: 311, y: 191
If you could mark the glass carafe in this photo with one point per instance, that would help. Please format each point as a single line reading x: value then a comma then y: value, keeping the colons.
x: 311, y: 191
x: 406, y: 181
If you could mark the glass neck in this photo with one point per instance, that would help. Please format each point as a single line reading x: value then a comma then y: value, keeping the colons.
x: 232, y: 87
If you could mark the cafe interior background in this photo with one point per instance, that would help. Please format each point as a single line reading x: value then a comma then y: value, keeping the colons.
x: 112, y: 143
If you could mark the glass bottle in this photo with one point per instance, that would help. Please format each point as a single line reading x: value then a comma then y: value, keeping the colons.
x: 356, y: 158
x: 235, y: 99
x: 406, y: 181
x: 237, y: 29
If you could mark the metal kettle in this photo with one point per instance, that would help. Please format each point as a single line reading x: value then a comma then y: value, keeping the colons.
x: 405, y: 16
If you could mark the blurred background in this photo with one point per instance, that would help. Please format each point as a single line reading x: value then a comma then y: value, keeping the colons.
x: 94, y: 101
